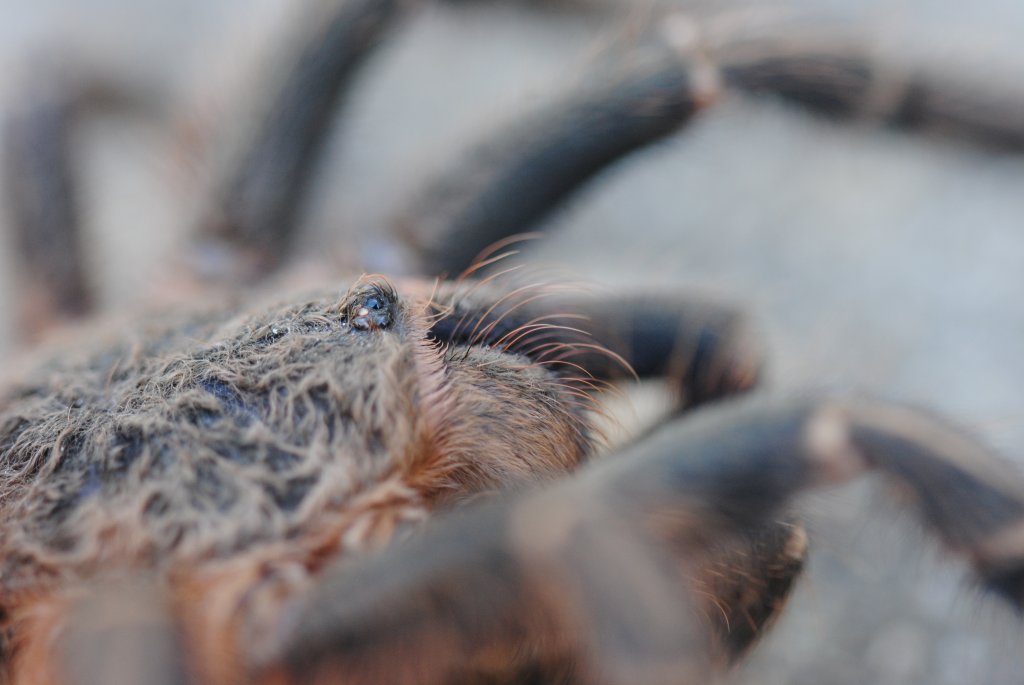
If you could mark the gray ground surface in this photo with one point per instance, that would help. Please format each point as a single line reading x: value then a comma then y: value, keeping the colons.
x: 871, y: 261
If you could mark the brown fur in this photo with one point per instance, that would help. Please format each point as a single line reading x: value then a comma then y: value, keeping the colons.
x: 236, y: 453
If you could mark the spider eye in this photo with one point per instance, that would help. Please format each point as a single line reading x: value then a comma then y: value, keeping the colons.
x: 372, y: 312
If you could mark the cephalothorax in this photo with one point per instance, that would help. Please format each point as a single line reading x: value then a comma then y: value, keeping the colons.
x: 370, y: 482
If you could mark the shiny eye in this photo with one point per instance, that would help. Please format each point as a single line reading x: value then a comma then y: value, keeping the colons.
x: 372, y: 312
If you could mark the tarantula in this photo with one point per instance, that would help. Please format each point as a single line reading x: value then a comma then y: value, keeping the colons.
x: 370, y: 483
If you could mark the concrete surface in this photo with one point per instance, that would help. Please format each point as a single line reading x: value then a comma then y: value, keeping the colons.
x: 871, y: 261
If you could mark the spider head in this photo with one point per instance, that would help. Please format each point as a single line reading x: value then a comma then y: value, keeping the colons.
x: 256, y: 426
x: 490, y: 397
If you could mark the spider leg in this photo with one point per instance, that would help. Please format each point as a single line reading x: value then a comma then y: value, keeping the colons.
x: 42, y: 188
x: 545, y: 589
x: 649, y: 87
x: 41, y: 194
x: 633, y: 97
x: 42, y: 201
x: 257, y: 204
x: 734, y: 466
x: 123, y: 633
x: 706, y: 351
x: 832, y: 72
x: 604, y: 554
x: 104, y: 632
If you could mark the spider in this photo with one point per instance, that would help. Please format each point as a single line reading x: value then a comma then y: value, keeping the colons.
x: 239, y: 493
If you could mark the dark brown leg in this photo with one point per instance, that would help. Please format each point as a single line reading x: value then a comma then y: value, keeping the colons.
x: 734, y: 466
x: 583, y: 578
x: 115, y: 631
x: 43, y: 207
x: 550, y: 590
x: 42, y: 189
x: 649, y: 88
x: 257, y: 206
x: 123, y: 633
x: 827, y: 70
x: 633, y: 97
x: 704, y: 350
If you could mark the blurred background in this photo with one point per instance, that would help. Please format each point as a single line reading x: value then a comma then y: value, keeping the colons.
x: 870, y: 260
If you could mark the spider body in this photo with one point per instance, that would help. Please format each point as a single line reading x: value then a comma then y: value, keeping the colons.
x: 391, y: 481
x: 319, y: 427
x: 241, y: 453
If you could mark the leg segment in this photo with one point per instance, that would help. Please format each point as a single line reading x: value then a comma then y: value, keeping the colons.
x: 734, y: 466
x: 706, y: 351
x: 549, y: 590
x: 831, y: 72
x: 643, y: 92
x: 42, y: 191
x: 43, y: 206
x: 634, y: 97
x: 109, y: 632
x: 257, y: 207
x: 584, y: 578
x: 124, y: 634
